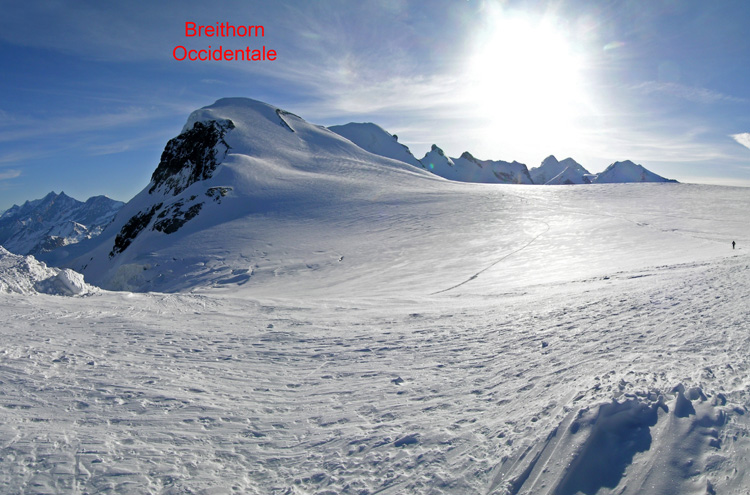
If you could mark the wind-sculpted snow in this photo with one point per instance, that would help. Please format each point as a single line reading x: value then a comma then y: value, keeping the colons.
x: 26, y: 275
x: 633, y: 383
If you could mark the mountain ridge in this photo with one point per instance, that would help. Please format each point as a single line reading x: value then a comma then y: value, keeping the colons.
x: 42, y: 225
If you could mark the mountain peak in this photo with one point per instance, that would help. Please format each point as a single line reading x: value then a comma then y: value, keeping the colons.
x: 551, y: 168
x: 550, y: 160
x: 42, y: 225
x: 376, y: 140
x: 628, y: 171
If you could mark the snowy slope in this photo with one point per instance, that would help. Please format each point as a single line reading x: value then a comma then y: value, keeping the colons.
x: 627, y: 171
x: 56, y: 220
x: 473, y: 339
x: 237, y: 164
x: 25, y: 275
x: 375, y: 139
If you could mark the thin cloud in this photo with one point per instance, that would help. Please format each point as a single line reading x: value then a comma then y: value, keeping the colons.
x: 9, y: 174
x: 689, y: 93
x: 32, y: 128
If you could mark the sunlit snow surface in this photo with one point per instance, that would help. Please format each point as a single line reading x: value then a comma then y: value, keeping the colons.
x: 467, y: 339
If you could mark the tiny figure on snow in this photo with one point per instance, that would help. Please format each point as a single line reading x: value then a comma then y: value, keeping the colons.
x: 732, y: 244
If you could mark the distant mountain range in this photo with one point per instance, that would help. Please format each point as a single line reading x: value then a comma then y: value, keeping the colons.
x: 56, y: 220
x: 467, y: 168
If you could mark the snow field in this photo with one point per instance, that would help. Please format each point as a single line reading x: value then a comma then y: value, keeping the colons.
x: 149, y: 393
x: 495, y: 340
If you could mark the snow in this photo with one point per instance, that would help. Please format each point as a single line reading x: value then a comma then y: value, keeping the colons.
x: 340, y: 322
x: 26, y: 275
x: 582, y: 360
x: 376, y: 140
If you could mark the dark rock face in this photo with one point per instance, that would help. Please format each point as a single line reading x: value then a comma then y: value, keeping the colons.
x: 218, y: 192
x: 281, y: 113
x: 174, y: 217
x: 132, y: 228
x: 190, y: 157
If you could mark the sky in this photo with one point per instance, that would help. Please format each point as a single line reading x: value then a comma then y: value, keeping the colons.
x: 90, y: 91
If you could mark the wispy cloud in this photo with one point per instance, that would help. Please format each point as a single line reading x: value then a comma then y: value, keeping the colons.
x: 32, y: 128
x: 124, y: 145
x: 689, y: 93
x: 9, y: 174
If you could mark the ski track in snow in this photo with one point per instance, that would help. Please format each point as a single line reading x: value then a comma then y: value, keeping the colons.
x: 502, y: 258
x: 152, y: 393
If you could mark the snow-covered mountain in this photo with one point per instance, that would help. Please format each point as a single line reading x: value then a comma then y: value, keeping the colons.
x: 56, y: 220
x: 467, y: 168
x: 26, y: 275
x: 627, y: 171
x: 373, y: 138
x: 437, y: 162
x: 571, y: 175
x: 552, y: 171
x: 237, y: 165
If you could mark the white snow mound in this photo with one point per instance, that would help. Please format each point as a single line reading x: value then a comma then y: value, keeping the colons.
x: 27, y: 275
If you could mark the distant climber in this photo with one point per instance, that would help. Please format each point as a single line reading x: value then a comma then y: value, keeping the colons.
x: 732, y: 244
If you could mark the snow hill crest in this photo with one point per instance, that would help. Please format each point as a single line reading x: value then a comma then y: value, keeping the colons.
x: 234, y: 160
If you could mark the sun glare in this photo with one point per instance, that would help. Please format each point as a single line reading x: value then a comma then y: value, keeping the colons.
x: 525, y: 78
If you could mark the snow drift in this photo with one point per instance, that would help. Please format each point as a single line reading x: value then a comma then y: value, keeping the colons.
x: 26, y: 275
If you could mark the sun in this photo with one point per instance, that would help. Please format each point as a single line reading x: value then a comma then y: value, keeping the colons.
x: 524, y: 76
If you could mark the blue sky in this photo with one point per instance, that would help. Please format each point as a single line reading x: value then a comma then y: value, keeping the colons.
x: 90, y: 93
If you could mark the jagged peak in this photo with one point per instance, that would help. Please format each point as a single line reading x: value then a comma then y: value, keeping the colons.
x: 550, y: 159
